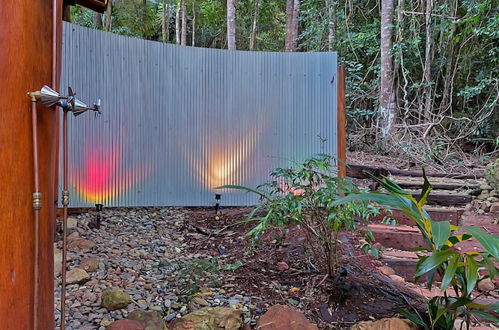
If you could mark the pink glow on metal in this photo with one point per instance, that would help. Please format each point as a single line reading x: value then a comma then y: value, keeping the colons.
x: 101, y: 178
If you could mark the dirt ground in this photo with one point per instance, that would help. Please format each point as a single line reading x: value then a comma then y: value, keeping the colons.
x: 361, y: 293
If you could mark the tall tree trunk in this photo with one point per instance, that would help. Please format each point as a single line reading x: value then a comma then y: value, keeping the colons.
x: 177, y: 24
x: 168, y: 21
x: 231, y: 24
x: 183, y: 40
x: 296, y: 25
x: 109, y: 15
x: 254, y: 23
x: 98, y: 20
x: 144, y: 18
x: 445, y: 104
x: 387, y: 106
x: 332, y: 25
x: 428, y: 61
x: 164, y: 21
x: 193, y: 22
x: 289, y: 25
x: 399, y: 73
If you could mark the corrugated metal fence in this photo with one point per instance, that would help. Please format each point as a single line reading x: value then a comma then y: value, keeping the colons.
x: 178, y: 121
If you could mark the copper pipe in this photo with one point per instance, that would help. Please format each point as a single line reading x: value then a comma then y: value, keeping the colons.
x: 36, y: 207
x: 65, y: 202
x: 54, y: 43
x: 55, y: 86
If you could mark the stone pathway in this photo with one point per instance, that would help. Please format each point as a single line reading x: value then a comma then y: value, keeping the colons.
x: 143, y: 253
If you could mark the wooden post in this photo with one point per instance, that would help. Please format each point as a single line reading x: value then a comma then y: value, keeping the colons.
x: 26, y: 64
x: 342, y: 121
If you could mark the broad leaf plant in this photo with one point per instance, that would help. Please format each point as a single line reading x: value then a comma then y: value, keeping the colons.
x: 459, y: 271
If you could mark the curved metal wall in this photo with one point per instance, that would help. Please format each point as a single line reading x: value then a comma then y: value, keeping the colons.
x: 178, y: 121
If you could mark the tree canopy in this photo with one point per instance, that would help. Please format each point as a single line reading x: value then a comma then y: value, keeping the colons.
x: 444, y: 53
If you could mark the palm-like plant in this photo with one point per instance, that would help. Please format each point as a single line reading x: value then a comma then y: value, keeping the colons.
x: 459, y: 271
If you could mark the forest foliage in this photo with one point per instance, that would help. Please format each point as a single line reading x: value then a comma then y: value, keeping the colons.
x: 445, y: 57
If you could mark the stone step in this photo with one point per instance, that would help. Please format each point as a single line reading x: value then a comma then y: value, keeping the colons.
x: 402, y: 262
x: 399, y: 237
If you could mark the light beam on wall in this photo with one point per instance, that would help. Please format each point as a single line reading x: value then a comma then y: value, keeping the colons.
x: 102, y: 177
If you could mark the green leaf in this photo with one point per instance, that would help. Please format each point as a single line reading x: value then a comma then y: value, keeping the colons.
x: 430, y: 277
x: 490, y: 267
x: 440, y: 231
x: 427, y: 188
x: 232, y: 267
x: 488, y: 241
x: 456, y: 239
x: 256, y: 191
x: 412, y: 317
x: 485, y: 316
x: 471, y: 274
x: 391, y: 186
x: 440, y: 311
x: 450, y: 271
x: 394, y: 202
x: 433, y: 261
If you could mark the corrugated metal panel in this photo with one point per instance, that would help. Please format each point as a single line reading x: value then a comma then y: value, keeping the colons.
x: 179, y: 121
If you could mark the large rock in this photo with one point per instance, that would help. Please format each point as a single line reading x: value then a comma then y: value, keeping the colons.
x: 80, y: 244
x: 486, y: 285
x: 112, y: 299
x: 149, y: 320
x: 125, y: 325
x: 77, y: 276
x: 89, y: 264
x: 494, y: 208
x: 57, y: 262
x: 385, y: 324
x: 72, y: 223
x: 492, y: 174
x: 211, y: 318
x: 386, y: 270
x: 281, y: 317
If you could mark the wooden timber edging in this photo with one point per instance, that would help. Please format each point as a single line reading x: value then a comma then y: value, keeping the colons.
x: 360, y: 172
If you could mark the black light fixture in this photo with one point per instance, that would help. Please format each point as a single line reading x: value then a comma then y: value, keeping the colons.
x: 95, y: 224
x: 218, y: 197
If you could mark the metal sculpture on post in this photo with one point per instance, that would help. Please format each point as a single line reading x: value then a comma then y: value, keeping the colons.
x: 68, y: 103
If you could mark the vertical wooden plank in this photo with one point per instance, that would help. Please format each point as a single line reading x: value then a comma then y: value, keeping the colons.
x: 25, y: 65
x: 342, y: 121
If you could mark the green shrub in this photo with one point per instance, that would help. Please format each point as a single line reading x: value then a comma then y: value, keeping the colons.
x: 303, y: 195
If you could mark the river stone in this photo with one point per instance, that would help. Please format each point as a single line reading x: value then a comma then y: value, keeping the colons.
x: 385, y: 324
x: 77, y: 276
x: 89, y: 264
x: 57, y: 261
x: 494, y: 208
x: 211, y: 318
x: 149, y: 320
x: 71, y: 223
x: 80, y: 244
x: 386, y: 270
x: 113, y: 299
x: 280, y: 317
x: 125, y: 325
x: 486, y: 285
x: 492, y: 174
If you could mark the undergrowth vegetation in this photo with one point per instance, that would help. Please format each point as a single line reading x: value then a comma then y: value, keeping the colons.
x: 459, y: 271
x: 304, y: 195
